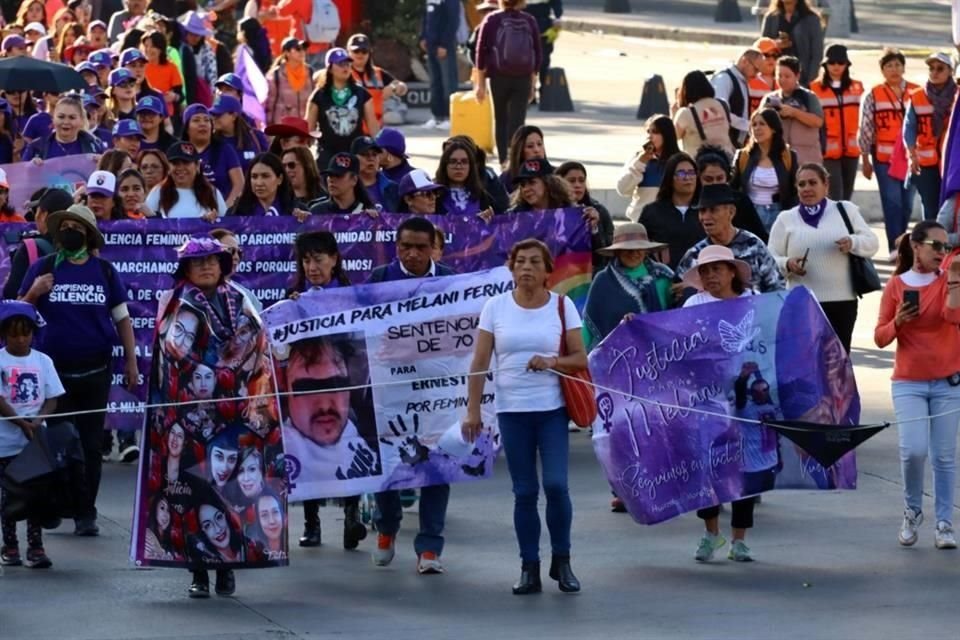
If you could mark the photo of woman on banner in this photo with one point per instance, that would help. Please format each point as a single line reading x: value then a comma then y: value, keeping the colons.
x: 215, y: 446
x: 329, y: 430
x: 267, y: 529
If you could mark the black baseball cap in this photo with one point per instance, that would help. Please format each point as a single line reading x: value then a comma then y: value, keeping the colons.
x: 534, y: 168
x: 358, y: 42
x: 364, y: 144
x: 183, y: 151
x: 341, y: 164
x: 50, y: 199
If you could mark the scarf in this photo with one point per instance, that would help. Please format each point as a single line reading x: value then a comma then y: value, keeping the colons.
x: 942, y: 101
x: 614, y: 294
x: 813, y: 215
x: 207, y: 64
x: 296, y: 77
x: 222, y: 328
x: 63, y: 254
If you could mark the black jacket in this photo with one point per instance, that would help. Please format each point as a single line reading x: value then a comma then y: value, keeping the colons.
x: 787, y: 198
x: 382, y: 273
x: 665, y: 224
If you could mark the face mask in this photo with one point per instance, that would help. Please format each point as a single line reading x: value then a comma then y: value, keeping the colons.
x: 72, y: 239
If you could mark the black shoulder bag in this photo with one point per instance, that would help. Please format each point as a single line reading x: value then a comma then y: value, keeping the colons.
x: 864, y: 274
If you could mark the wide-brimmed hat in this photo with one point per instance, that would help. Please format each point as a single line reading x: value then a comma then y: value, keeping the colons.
x: 533, y: 168
x: 835, y: 53
x: 201, y: 247
x: 716, y: 253
x: 81, y: 214
x: 193, y: 22
x: 291, y: 126
x: 415, y: 181
x: 712, y: 195
x: 628, y: 237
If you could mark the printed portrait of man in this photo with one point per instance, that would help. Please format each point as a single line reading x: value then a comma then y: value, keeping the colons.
x: 329, y: 426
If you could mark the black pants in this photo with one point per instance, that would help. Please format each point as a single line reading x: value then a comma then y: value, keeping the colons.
x: 511, y: 95
x: 741, y: 518
x: 843, y: 174
x: 842, y: 315
x: 87, y: 391
x: 9, y: 525
x: 311, y: 510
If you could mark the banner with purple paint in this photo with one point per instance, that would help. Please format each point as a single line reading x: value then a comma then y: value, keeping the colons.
x: 67, y: 173
x: 144, y: 253
x: 372, y: 384
x: 669, y: 439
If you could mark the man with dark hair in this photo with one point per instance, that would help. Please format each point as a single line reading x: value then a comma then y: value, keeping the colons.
x: 35, y: 246
x: 415, y: 239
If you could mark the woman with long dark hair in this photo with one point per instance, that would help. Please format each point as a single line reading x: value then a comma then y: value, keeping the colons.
x: 266, y: 190
x: 798, y: 30
x: 465, y: 193
x: 219, y: 161
x: 160, y: 73
x: 602, y: 232
x: 700, y: 118
x: 672, y: 216
x: 766, y: 168
x: 537, y: 189
x: 340, y: 108
x: 642, y: 174
x: 304, y: 176
x: 8, y: 137
x: 185, y: 192
x: 920, y: 309
x: 231, y: 128
x: 527, y: 143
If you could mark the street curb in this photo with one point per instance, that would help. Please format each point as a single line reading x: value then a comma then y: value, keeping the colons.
x: 684, y: 34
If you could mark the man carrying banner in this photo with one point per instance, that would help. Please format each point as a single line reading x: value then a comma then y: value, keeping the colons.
x: 414, y: 248
x: 716, y: 210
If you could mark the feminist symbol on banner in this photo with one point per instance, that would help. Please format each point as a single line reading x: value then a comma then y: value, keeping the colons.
x: 292, y: 467
x: 605, y: 410
x: 736, y: 338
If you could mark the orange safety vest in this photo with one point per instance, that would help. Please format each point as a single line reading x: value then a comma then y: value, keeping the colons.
x: 374, y: 87
x: 888, y: 112
x: 928, y: 144
x: 758, y: 89
x: 840, y: 119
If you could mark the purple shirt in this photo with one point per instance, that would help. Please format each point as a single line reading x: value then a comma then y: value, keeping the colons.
x: 217, y: 161
x: 54, y: 149
x: 396, y: 174
x: 77, y: 309
x: 39, y: 125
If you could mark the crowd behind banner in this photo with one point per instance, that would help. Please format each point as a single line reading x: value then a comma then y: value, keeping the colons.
x: 213, y: 154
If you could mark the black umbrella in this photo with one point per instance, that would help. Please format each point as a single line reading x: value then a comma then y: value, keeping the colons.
x: 24, y: 73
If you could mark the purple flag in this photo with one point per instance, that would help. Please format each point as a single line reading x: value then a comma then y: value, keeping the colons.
x: 667, y: 437
x: 255, y: 87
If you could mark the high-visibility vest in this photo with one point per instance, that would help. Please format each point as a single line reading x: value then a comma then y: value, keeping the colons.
x: 758, y: 89
x: 841, y: 119
x: 888, y: 118
x: 374, y: 87
x: 928, y: 143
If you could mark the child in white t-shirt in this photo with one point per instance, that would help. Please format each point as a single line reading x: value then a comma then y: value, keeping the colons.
x: 29, y: 386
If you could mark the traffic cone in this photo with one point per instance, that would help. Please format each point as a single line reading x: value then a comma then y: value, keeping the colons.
x: 554, y: 92
x: 727, y: 11
x: 654, y: 98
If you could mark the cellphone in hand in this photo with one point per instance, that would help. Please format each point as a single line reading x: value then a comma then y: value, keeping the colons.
x: 912, y: 297
x: 803, y: 260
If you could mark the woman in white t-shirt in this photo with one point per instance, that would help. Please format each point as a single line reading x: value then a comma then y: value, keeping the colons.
x: 703, y: 119
x: 719, y: 276
x: 523, y: 328
x: 185, y: 192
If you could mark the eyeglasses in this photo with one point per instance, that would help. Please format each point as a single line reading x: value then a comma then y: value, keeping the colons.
x: 290, y: 165
x: 938, y: 247
x: 424, y: 194
x: 685, y: 174
x: 235, y: 251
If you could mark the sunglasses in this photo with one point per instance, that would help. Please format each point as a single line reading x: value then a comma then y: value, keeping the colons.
x: 126, y: 84
x: 685, y: 174
x: 235, y: 251
x: 424, y: 194
x: 290, y: 165
x: 772, y: 56
x: 938, y: 247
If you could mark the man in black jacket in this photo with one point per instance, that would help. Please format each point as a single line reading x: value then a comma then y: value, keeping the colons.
x: 414, y: 248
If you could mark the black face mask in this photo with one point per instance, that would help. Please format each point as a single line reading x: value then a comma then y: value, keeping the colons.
x: 72, y: 239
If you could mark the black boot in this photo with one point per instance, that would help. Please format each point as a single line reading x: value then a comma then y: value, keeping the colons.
x: 353, y: 528
x: 200, y: 588
x: 311, y: 535
x: 561, y: 572
x: 226, y: 583
x: 529, y: 579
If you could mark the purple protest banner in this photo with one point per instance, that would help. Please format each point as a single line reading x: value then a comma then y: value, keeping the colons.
x: 65, y: 173
x: 668, y: 435
x: 144, y: 253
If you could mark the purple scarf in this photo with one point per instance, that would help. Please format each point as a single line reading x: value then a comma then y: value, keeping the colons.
x: 813, y: 215
x: 942, y: 101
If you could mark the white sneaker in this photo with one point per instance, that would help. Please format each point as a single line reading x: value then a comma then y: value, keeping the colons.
x: 386, y: 549
x: 908, y: 530
x: 429, y: 564
x: 430, y: 124
x: 944, y: 538
x: 443, y: 124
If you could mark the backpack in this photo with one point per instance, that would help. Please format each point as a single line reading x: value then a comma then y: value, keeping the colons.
x: 699, y: 125
x: 514, y: 46
x: 324, y: 23
x: 736, y: 105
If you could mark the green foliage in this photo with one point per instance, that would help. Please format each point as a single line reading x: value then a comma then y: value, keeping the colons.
x: 395, y: 19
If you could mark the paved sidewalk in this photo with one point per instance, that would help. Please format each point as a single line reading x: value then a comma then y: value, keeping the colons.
x: 908, y: 25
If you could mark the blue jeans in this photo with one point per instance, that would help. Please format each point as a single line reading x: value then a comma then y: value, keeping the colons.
x: 444, y: 80
x: 928, y: 186
x: 912, y: 400
x: 433, y: 515
x: 523, y: 435
x: 768, y: 214
x: 896, y: 201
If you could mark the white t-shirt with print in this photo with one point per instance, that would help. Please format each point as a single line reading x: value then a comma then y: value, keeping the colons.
x: 518, y: 335
x: 26, y: 383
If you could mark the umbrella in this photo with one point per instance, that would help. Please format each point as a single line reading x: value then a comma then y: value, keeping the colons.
x: 24, y: 73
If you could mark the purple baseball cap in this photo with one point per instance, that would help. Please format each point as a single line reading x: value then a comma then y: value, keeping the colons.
x: 131, y: 55
x: 392, y: 140
x: 13, y: 41
x: 119, y: 76
x: 232, y: 80
x: 102, y: 58
x: 225, y: 104
x: 337, y: 55
x: 151, y: 104
x: 194, y: 110
x: 86, y: 66
x: 127, y: 128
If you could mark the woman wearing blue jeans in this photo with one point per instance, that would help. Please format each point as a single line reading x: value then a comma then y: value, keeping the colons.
x: 523, y: 327
x: 920, y: 309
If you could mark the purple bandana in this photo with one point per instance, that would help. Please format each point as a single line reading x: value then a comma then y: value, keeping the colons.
x: 813, y: 215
